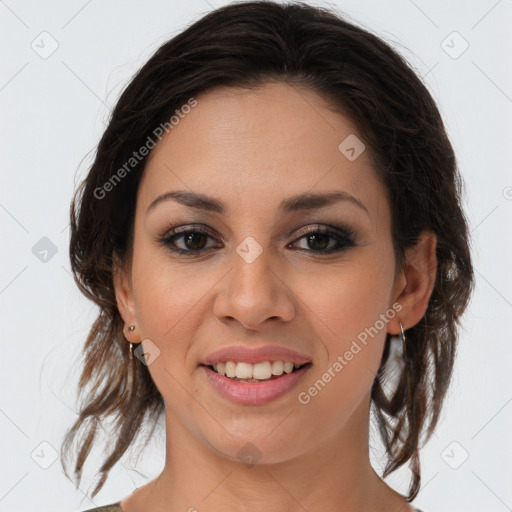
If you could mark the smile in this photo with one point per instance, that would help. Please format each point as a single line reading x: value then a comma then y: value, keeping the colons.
x: 254, y: 384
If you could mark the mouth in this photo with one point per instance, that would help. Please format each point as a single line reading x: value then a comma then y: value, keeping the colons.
x: 254, y: 373
x: 240, y: 386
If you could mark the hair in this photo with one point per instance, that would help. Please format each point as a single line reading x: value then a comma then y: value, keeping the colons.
x: 247, y: 45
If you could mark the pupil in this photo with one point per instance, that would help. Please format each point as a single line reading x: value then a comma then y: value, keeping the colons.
x: 315, y: 239
x: 190, y: 238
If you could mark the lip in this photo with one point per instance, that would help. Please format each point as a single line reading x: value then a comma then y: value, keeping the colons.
x: 239, y: 353
x: 254, y: 393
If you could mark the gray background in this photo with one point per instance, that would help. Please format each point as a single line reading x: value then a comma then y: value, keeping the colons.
x: 63, y: 64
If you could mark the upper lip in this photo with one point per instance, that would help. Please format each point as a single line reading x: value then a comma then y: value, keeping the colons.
x: 255, y: 355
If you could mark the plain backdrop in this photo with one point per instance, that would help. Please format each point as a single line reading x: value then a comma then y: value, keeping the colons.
x: 63, y: 65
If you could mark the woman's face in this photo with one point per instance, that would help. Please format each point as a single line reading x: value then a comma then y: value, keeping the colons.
x: 258, y: 278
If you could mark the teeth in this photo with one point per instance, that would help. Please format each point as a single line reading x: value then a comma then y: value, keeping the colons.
x: 288, y: 367
x: 244, y: 370
x: 277, y: 367
x: 230, y: 369
x: 259, y: 371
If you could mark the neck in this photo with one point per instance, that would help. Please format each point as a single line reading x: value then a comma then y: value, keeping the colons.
x: 335, y: 475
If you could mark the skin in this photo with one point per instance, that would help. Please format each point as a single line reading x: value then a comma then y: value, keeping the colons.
x: 252, y: 149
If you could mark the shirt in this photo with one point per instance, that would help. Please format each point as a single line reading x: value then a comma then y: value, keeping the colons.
x: 114, y: 507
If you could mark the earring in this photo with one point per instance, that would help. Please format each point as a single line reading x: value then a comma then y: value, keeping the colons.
x: 131, y: 329
x: 402, y: 334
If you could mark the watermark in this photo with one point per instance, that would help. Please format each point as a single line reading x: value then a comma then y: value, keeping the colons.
x: 143, y: 151
x: 44, y: 455
x: 454, y: 45
x: 249, y: 454
x: 146, y: 352
x: 304, y: 397
x: 44, y: 250
x: 455, y: 455
x: 249, y: 249
x: 45, y: 45
x: 351, y: 147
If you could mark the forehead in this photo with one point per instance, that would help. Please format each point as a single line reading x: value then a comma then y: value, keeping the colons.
x: 270, y: 142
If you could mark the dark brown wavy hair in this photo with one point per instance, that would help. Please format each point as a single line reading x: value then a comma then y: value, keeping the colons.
x: 248, y: 44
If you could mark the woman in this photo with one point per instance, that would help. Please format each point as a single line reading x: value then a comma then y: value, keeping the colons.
x: 273, y: 211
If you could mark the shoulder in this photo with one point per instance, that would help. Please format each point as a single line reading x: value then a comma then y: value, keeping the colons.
x: 113, y: 507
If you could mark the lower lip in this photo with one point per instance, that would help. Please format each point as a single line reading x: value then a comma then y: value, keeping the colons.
x: 255, y: 393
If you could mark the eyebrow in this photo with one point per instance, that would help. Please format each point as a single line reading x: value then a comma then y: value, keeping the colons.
x: 305, y: 201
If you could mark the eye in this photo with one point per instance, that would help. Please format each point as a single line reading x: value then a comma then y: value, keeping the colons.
x: 193, y: 238
x: 317, y: 238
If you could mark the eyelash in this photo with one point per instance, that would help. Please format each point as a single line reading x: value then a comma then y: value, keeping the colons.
x: 343, y: 236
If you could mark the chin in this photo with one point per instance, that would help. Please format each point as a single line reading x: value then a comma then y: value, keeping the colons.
x: 250, y: 449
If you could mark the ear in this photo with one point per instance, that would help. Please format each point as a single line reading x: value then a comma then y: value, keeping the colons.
x: 414, y: 283
x: 123, y: 290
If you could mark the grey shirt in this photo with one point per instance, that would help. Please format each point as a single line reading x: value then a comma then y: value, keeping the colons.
x: 114, y: 507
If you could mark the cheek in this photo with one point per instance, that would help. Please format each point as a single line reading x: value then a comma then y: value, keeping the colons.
x: 348, y: 297
x: 347, y: 310
x: 167, y: 299
x: 166, y: 295
x: 352, y: 336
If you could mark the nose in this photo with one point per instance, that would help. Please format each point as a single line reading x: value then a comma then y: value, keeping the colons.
x: 253, y: 293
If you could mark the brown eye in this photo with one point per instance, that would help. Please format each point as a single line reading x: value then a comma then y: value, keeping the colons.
x: 318, y: 242
x: 326, y: 239
x: 192, y: 240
